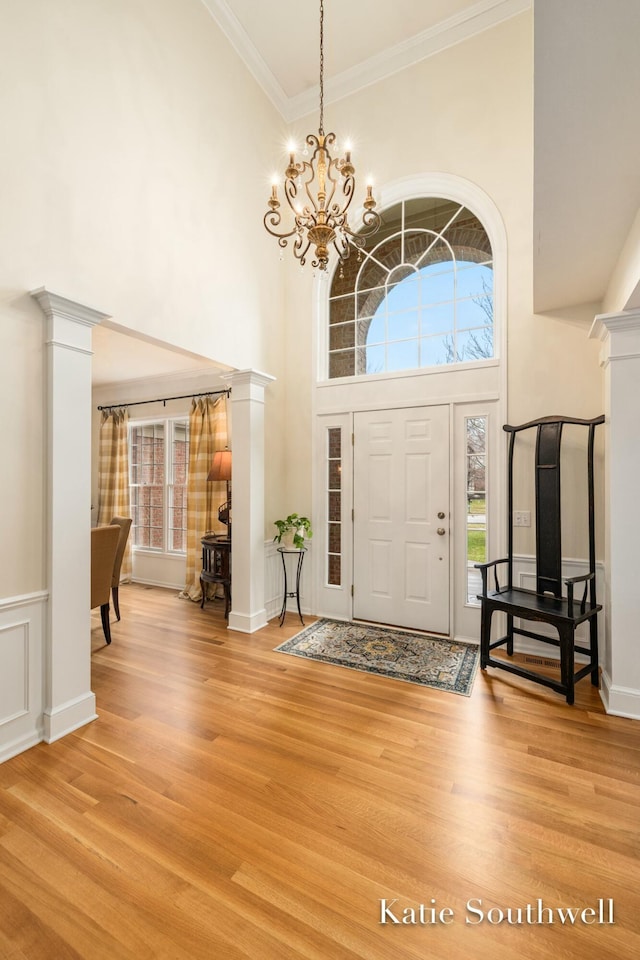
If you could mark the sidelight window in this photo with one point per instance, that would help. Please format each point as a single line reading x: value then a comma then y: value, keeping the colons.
x: 334, y: 506
x: 476, y: 489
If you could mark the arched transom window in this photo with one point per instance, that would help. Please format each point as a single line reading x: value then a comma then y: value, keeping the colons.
x: 420, y: 296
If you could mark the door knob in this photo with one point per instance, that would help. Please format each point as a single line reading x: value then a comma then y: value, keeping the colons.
x: 440, y: 515
x: 441, y: 531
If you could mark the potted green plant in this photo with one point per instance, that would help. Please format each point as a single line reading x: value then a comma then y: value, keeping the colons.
x: 293, y: 531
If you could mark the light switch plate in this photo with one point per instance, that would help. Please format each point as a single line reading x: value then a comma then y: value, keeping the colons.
x: 522, y: 518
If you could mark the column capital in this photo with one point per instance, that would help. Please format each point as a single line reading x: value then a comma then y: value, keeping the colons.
x: 619, y: 334
x: 605, y: 324
x: 248, y: 377
x: 54, y: 305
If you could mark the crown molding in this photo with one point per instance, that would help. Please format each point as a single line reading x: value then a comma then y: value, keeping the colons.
x: 467, y: 23
x: 54, y: 305
x: 246, y: 50
x: 604, y: 324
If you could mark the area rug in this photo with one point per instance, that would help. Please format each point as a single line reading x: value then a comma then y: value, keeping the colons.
x: 412, y: 657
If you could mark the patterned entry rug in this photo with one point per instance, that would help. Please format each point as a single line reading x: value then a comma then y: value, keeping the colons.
x: 412, y: 657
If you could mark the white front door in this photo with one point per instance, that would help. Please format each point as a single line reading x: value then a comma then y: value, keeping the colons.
x: 401, y: 517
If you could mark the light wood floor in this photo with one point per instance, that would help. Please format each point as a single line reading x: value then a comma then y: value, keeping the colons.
x: 232, y: 803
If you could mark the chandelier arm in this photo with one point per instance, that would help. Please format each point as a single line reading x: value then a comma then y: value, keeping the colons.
x: 272, y: 219
x: 341, y: 246
x: 303, y: 217
x: 340, y: 212
x: 348, y: 181
x: 334, y: 166
x: 307, y: 169
x: 291, y: 190
x: 300, y: 248
x: 370, y: 224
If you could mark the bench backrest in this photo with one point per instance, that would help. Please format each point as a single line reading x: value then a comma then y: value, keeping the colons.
x: 547, y: 498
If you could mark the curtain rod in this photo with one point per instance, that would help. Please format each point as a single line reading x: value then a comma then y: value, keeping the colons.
x: 163, y: 400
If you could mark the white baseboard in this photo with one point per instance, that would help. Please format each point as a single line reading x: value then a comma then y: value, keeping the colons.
x: 69, y: 717
x: 247, y: 623
x: 156, y: 583
x: 619, y: 701
x: 13, y: 748
x: 474, y: 641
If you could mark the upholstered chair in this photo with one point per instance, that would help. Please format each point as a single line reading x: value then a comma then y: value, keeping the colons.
x: 104, y: 544
x: 124, y: 523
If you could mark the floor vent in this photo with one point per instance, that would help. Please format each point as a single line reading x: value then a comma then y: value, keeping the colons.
x: 540, y: 662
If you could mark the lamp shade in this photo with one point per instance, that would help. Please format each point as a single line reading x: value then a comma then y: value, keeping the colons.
x: 221, y: 466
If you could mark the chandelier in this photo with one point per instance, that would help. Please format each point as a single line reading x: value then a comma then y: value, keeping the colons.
x: 319, y: 192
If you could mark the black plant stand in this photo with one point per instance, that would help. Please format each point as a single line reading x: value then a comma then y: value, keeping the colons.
x: 291, y: 593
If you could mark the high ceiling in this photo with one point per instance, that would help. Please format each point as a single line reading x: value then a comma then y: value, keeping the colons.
x: 586, y: 86
x: 586, y: 145
x: 364, y: 40
x: 119, y: 357
x: 586, y: 91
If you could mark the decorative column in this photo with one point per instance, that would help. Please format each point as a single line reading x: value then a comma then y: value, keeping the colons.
x: 248, y: 612
x: 68, y: 699
x: 620, y: 358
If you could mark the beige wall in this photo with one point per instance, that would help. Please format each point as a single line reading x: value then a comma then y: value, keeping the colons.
x: 623, y: 292
x: 131, y: 183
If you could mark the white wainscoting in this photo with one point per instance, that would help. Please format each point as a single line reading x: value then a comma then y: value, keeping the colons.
x: 22, y: 626
x: 159, y: 569
x: 274, y: 582
x: 524, y: 575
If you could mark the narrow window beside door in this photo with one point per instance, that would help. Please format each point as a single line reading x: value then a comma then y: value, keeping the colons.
x: 334, y: 511
x: 476, y: 437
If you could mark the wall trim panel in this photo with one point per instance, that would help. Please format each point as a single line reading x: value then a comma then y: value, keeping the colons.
x: 22, y: 625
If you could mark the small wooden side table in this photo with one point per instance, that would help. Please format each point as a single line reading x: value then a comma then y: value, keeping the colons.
x: 216, y: 567
x: 283, y: 551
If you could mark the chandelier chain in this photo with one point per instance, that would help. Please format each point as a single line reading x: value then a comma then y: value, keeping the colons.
x: 321, y: 128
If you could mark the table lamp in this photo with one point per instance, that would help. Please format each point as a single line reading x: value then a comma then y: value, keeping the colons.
x: 221, y: 470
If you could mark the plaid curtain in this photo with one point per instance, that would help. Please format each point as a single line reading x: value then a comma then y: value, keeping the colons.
x: 113, y: 475
x: 207, y: 433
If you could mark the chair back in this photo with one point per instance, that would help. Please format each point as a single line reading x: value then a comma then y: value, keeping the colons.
x: 548, y: 499
x: 124, y: 525
x: 104, y: 544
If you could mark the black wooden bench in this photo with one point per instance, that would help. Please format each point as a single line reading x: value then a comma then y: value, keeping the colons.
x: 553, y: 601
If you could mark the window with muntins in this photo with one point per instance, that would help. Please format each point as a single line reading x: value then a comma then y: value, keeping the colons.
x: 421, y: 297
x: 158, y: 465
x: 334, y: 506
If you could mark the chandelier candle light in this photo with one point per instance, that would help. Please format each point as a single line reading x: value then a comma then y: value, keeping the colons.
x: 326, y: 186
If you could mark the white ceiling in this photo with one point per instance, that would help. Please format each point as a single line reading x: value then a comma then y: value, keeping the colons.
x: 354, y: 32
x: 587, y: 145
x: 119, y: 357
x: 364, y: 40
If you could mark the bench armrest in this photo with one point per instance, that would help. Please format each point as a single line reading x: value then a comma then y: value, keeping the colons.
x: 570, y: 580
x: 569, y: 583
x: 484, y: 567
